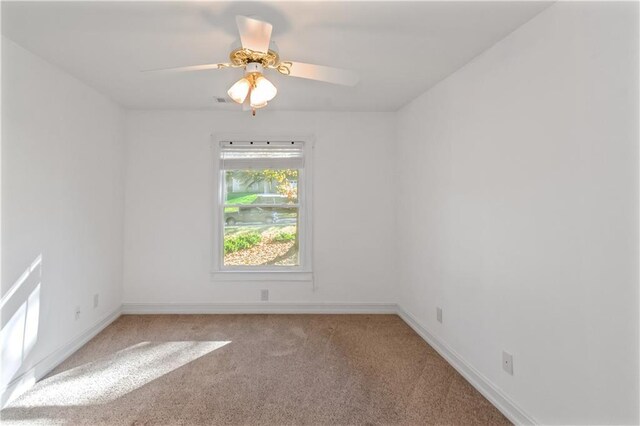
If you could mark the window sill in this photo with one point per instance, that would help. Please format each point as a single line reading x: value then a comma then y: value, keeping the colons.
x: 235, y: 276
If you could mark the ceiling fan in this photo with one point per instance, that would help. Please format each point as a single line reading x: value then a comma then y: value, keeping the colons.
x: 257, y: 54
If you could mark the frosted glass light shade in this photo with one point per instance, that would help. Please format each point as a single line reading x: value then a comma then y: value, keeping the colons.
x: 257, y: 105
x: 239, y: 91
x: 263, y: 91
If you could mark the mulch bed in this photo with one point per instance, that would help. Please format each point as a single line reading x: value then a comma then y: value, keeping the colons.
x: 263, y: 253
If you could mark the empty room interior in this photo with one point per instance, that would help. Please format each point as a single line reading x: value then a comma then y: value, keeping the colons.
x: 320, y: 213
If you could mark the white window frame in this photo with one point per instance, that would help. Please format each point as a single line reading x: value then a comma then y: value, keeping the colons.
x: 300, y: 273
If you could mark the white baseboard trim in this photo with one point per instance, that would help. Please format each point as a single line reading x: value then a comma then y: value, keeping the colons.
x: 23, y: 382
x: 490, y: 391
x: 259, y: 308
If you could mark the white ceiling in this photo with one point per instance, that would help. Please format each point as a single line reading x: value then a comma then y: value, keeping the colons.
x: 400, y: 49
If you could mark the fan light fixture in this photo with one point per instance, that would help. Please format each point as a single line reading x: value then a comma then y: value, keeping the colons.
x: 257, y: 53
x: 255, y: 86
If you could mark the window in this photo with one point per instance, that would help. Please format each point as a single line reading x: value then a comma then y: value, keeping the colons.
x: 263, y: 207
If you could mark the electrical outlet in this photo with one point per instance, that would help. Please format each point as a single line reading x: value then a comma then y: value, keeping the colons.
x: 77, y: 313
x: 264, y: 295
x: 439, y: 314
x: 96, y: 300
x: 507, y: 362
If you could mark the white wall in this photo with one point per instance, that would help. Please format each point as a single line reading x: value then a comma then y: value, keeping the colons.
x: 519, y: 213
x: 169, y: 205
x: 62, y: 199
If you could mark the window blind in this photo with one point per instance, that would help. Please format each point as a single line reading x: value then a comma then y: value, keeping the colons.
x: 257, y: 155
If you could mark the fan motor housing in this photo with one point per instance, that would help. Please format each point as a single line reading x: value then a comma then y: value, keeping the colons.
x: 253, y: 67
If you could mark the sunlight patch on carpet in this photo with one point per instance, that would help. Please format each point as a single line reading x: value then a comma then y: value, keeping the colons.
x: 111, y: 377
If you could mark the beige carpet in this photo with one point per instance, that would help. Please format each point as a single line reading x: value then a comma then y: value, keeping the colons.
x: 254, y: 369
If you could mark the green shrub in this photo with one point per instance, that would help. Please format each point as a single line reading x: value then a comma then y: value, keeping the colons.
x: 233, y: 243
x: 283, y: 237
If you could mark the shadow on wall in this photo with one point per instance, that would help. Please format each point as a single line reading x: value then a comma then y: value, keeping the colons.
x: 20, y: 315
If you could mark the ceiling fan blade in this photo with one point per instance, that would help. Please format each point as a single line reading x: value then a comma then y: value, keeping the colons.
x: 202, y: 67
x: 322, y: 73
x: 254, y: 34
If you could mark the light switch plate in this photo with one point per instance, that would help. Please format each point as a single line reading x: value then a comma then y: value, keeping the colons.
x: 439, y: 314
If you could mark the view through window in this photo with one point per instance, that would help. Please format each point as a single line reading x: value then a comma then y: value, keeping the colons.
x: 261, y: 205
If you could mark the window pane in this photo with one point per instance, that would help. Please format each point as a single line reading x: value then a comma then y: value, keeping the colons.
x: 266, y: 186
x: 261, y: 236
